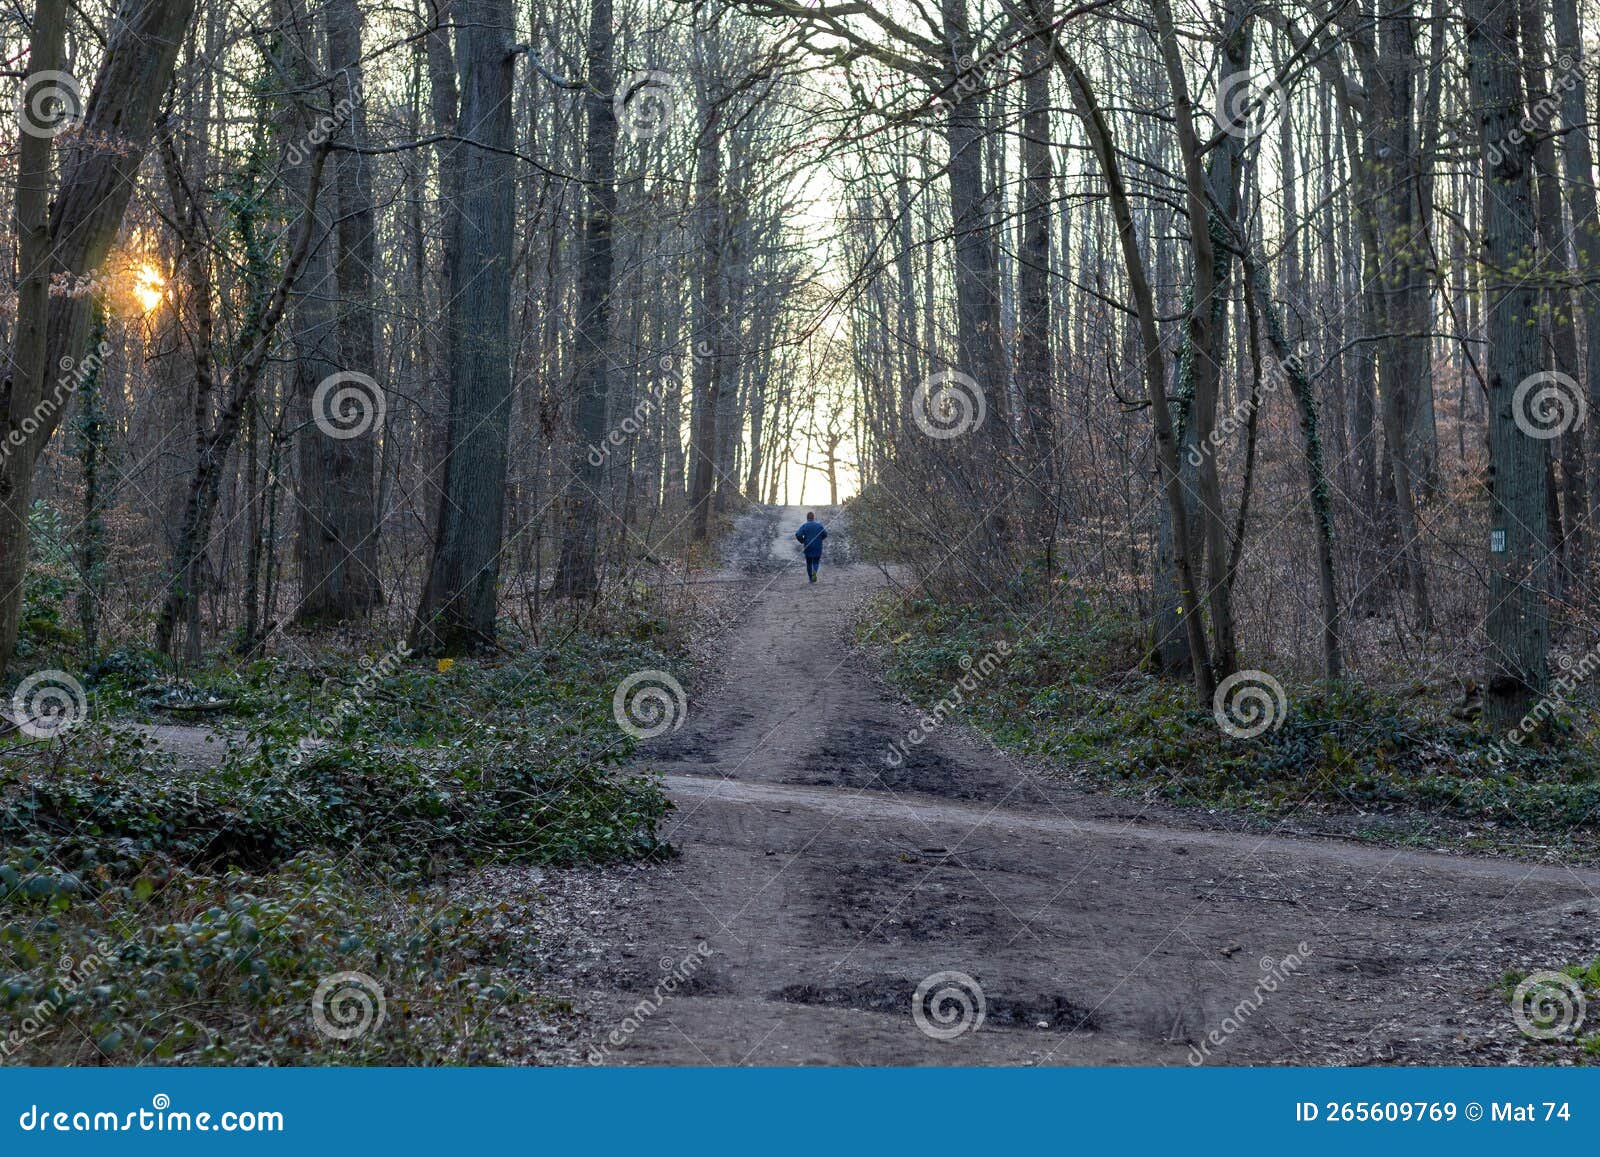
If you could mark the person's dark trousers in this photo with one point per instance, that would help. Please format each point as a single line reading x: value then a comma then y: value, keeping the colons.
x: 811, y: 568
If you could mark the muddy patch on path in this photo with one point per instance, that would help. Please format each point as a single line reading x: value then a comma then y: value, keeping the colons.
x: 896, y: 995
x: 902, y: 900
x: 877, y: 759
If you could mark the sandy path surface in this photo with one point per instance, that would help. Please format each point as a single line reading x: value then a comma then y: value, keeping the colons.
x: 825, y: 885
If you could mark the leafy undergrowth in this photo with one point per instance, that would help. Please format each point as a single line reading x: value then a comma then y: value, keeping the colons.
x: 1556, y: 1005
x: 159, y: 908
x: 1071, y: 691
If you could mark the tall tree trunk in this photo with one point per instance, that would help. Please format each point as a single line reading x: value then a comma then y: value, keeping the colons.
x: 1559, y: 303
x: 1033, y: 291
x: 1517, y: 622
x: 977, y: 278
x: 1577, y: 159
x: 444, y: 107
x: 24, y: 395
x: 575, y: 572
x: 704, y: 378
x: 459, y: 602
x: 1405, y: 379
x: 98, y: 172
x: 200, y: 502
x: 1198, y: 370
x: 1154, y: 362
x: 318, y: 550
x: 338, y: 446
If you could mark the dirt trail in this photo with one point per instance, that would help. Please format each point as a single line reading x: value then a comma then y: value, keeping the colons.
x: 826, y: 884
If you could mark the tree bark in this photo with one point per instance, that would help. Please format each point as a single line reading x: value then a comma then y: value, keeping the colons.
x: 337, y: 475
x: 200, y: 502
x: 1155, y: 372
x: 705, y: 381
x: 1577, y: 159
x: 460, y: 600
x: 576, y: 574
x: 1033, y: 291
x: 1517, y: 622
x: 98, y: 176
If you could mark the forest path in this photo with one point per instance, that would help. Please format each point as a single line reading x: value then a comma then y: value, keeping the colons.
x: 825, y: 885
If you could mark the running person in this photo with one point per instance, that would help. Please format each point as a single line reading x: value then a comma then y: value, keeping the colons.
x: 810, y: 536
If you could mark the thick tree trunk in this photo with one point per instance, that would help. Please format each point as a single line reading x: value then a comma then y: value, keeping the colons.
x: 1405, y: 385
x: 460, y: 600
x: 336, y: 474
x: 1517, y: 622
x: 23, y: 393
x: 444, y: 108
x: 576, y: 571
x: 977, y: 277
x: 1197, y: 374
x: 98, y: 172
x: 316, y: 336
x: 1559, y: 303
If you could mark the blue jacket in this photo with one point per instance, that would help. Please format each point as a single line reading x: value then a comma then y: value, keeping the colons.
x: 810, y: 535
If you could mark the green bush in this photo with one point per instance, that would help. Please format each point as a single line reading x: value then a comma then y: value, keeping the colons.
x: 174, y: 965
x: 211, y: 900
x: 1071, y: 691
